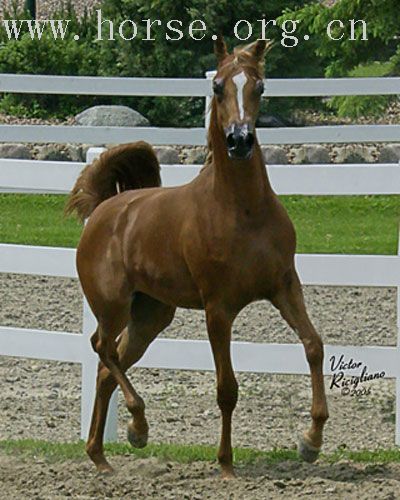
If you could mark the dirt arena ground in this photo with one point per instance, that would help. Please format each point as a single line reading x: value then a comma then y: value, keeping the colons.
x: 150, y: 478
x: 41, y: 400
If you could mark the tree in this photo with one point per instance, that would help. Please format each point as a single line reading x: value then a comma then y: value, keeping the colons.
x: 377, y: 56
x: 190, y: 58
x: 30, y: 6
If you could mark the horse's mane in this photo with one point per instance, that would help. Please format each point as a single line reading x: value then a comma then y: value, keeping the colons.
x: 209, y: 160
x: 242, y: 57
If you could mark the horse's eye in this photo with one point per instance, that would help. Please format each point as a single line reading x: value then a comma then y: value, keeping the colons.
x: 260, y: 87
x: 218, y: 86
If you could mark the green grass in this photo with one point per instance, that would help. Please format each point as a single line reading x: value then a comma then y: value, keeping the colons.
x: 325, y: 224
x: 37, y: 220
x: 177, y: 453
x: 345, y: 224
x: 185, y: 453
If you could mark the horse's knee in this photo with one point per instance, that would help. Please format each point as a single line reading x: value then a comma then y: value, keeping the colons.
x: 105, y: 349
x: 99, y: 345
x: 105, y: 380
x: 314, y: 349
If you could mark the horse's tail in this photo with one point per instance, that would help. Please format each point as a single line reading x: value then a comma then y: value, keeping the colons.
x: 131, y: 166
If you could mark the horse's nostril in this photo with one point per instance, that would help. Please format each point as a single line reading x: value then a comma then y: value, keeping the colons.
x: 249, y: 140
x: 230, y: 140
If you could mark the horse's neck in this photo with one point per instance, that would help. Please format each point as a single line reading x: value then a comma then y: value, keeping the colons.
x: 243, y: 182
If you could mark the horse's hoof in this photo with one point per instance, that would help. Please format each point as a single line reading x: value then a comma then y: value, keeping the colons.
x: 307, y: 452
x: 105, y: 470
x: 228, y: 474
x: 137, y: 441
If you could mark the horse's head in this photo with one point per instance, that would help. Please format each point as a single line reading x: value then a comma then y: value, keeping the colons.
x: 238, y: 86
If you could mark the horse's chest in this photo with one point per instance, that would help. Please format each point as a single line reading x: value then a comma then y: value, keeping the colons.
x: 241, y: 262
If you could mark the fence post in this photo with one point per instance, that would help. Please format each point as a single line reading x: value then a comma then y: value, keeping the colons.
x: 90, y: 362
x: 397, y: 403
x: 209, y: 75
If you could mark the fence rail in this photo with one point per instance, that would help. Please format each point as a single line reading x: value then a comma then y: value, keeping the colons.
x: 191, y: 87
x: 195, y: 136
x: 314, y: 269
x: 58, y: 177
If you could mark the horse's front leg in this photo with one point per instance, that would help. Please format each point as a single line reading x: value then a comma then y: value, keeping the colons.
x: 289, y: 300
x: 219, y: 324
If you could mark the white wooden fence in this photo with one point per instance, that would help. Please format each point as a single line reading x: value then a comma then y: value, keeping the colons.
x: 58, y: 177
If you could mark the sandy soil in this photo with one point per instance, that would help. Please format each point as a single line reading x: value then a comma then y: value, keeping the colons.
x: 150, y: 478
x: 40, y: 399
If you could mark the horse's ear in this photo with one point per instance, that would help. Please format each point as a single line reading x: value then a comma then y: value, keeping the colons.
x: 220, y: 49
x: 259, y: 48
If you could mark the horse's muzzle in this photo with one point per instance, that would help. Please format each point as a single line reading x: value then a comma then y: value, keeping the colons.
x: 240, y: 141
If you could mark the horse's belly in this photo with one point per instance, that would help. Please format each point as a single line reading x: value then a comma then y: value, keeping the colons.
x: 167, y: 280
x: 174, y: 296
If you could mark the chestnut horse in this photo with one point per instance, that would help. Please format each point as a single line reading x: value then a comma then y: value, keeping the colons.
x: 218, y: 243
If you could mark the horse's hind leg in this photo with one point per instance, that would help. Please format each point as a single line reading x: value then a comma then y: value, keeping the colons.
x: 149, y: 318
x: 289, y: 300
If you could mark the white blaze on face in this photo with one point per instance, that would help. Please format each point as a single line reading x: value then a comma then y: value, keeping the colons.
x: 240, y: 81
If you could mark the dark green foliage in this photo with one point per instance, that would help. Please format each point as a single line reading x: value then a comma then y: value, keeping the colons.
x: 317, y: 57
x: 355, y: 106
x: 381, y: 17
x: 378, y: 56
x: 189, y: 58
x: 46, y: 57
x: 50, y: 57
x: 183, y: 58
x: 31, y: 7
